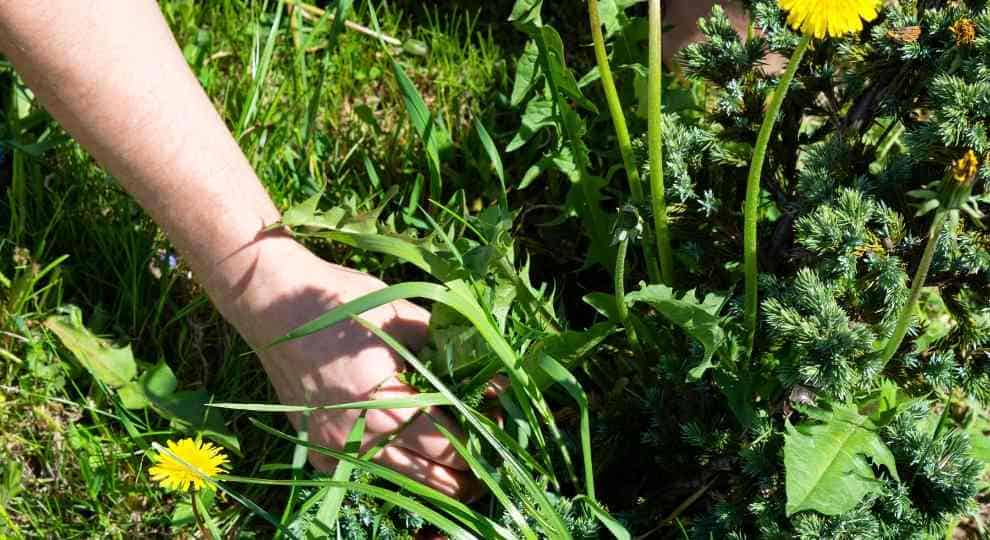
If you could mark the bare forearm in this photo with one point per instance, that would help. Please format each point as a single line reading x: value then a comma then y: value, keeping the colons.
x: 111, y: 73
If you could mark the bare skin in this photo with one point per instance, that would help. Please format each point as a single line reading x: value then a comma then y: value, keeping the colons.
x: 111, y: 73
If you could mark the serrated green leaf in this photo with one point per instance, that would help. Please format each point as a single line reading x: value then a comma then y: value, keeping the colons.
x: 526, y: 15
x: 825, y: 461
x: 697, y: 319
x: 570, y: 347
x: 563, y: 76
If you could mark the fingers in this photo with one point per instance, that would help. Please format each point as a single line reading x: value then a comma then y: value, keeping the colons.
x: 419, y: 450
x: 455, y: 483
x: 321, y: 462
x: 452, y: 482
x: 496, y: 386
x: 403, y: 320
x: 424, y: 439
x: 420, y: 435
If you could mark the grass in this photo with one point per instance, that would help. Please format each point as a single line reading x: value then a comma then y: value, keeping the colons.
x: 72, y: 460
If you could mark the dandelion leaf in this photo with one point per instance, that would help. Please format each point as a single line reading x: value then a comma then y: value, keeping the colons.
x: 114, y: 367
x: 697, y: 319
x: 827, y: 461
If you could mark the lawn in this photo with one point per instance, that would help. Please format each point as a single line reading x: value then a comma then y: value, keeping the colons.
x: 471, y: 153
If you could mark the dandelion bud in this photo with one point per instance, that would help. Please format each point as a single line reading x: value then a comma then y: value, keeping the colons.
x: 957, y: 187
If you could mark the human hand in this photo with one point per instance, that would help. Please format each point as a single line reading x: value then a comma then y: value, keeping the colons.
x: 682, y: 17
x: 289, y: 286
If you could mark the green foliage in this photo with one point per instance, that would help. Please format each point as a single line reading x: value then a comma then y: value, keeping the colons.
x: 678, y: 432
x: 826, y: 461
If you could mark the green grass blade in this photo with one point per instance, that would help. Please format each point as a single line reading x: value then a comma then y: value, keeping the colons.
x: 493, y: 156
x: 249, y: 111
x: 451, y: 506
x: 455, y: 531
x: 458, y: 296
x: 326, y: 515
x: 613, y: 526
x: 548, y: 514
x: 381, y: 297
x: 418, y: 401
x: 207, y: 520
x: 482, y: 472
x: 565, y: 379
x: 343, y: 8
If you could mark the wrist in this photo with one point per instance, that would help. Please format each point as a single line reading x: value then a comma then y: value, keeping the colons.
x: 244, y: 283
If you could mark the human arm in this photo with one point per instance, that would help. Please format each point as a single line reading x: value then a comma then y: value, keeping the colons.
x: 111, y: 73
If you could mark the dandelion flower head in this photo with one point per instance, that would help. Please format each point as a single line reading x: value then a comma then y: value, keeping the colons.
x: 201, y: 459
x: 965, y: 168
x: 820, y: 18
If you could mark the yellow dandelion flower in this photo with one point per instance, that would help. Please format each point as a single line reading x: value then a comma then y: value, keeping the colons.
x: 820, y: 18
x: 201, y: 459
x: 964, y: 169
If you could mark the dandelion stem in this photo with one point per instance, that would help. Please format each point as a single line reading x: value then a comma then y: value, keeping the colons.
x: 621, y: 131
x: 753, y: 189
x: 904, y: 321
x: 620, y: 291
x: 655, y: 136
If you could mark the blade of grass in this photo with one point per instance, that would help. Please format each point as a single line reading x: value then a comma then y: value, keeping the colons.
x: 489, y: 145
x: 613, y: 526
x: 451, y: 506
x: 456, y: 295
x: 460, y: 297
x: 208, y: 525
x: 326, y: 515
x: 299, y: 455
x: 343, y: 8
x: 455, y: 531
x: 261, y: 76
x: 548, y: 514
x: 565, y: 379
x: 418, y: 401
x: 483, y: 473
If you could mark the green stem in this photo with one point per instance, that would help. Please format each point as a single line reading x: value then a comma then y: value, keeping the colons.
x: 620, y: 292
x: 655, y: 135
x: 621, y: 131
x: 889, y: 140
x: 904, y: 321
x: 753, y: 189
